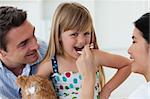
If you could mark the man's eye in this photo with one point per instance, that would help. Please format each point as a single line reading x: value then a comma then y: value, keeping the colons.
x: 23, y: 44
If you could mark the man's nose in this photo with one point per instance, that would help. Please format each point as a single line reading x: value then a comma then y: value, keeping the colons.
x: 34, y: 45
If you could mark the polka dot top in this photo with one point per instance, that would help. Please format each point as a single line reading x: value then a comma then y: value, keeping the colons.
x: 67, y: 85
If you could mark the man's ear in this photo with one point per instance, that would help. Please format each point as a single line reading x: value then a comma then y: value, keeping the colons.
x: 2, y: 53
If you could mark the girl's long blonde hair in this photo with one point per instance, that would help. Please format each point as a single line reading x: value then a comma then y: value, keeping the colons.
x: 70, y: 16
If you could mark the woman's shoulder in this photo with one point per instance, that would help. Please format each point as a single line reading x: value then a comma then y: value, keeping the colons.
x: 141, y: 92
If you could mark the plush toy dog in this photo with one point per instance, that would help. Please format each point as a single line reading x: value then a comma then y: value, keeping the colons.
x: 35, y: 87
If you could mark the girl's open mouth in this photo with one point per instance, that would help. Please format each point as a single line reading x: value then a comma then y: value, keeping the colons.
x: 79, y: 49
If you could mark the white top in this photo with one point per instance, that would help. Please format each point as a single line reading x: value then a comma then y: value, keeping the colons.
x: 143, y: 92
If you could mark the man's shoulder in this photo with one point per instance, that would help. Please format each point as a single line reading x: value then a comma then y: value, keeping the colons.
x: 42, y: 47
x: 1, y: 66
x: 42, y: 44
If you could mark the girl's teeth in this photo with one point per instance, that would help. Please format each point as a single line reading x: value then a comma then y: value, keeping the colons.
x: 92, y: 45
x: 79, y: 52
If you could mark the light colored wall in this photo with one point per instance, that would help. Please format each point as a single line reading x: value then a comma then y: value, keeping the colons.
x: 34, y: 11
x: 113, y: 23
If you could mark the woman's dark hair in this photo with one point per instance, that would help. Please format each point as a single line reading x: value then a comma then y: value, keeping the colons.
x: 9, y: 17
x: 143, y: 25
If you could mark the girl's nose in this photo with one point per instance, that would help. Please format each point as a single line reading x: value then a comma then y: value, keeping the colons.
x: 81, y: 39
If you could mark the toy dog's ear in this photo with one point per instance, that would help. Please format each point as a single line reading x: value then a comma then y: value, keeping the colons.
x: 21, y: 81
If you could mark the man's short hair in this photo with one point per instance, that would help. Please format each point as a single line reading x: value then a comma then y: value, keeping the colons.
x: 10, y: 17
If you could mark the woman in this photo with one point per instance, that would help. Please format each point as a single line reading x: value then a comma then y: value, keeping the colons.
x: 139, y: 52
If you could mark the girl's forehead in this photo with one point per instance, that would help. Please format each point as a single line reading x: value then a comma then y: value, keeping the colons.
x: 82, y: 31
x: 78, y: 29
x: 89, y: 29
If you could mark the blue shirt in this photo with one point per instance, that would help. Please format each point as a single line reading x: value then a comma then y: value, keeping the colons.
x: 8, y: 87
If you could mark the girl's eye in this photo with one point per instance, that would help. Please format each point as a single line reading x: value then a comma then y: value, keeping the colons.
x: 74, y: 34
x: 87, y: 33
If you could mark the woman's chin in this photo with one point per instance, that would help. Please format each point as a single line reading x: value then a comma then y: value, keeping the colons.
x: 135, y: 68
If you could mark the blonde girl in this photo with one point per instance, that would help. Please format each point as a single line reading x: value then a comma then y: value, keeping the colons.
x: 72, y: 29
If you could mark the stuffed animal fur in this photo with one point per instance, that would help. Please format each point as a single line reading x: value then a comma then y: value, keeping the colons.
x: 35, y: 87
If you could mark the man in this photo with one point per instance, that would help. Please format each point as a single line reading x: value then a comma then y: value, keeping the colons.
x: 19, y: 51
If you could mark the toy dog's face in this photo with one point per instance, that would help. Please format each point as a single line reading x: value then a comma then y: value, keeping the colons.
x: 35, y: 87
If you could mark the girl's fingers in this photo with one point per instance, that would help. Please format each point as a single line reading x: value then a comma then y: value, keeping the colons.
x: 82, y: 53
x: 91, y: 45
x: 87, y: 50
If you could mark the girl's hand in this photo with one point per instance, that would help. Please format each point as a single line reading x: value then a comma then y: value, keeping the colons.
x: 85, y: 63
x: 105, y: 94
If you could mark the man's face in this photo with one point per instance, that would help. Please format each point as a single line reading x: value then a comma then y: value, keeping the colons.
x: 21, y: 45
